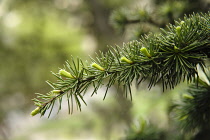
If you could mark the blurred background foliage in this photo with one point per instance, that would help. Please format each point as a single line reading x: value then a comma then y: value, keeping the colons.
x: 39, y: 36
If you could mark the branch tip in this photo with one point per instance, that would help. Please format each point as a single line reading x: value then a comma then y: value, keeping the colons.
x: 35, y: 111
x: 64, y: 73
x: 178, y: 30
x: 124, y: 59
x: 145, y: 52
x: 187, y: 96
x: 97, y: 66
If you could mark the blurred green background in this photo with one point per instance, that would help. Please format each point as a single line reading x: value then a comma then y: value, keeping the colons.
x: 38, y: 36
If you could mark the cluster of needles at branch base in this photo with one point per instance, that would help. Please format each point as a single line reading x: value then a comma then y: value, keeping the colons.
x: 193, y: 111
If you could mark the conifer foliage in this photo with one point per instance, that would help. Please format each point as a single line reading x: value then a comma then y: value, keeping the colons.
x: 169, y: 57
x: 193, y: 110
